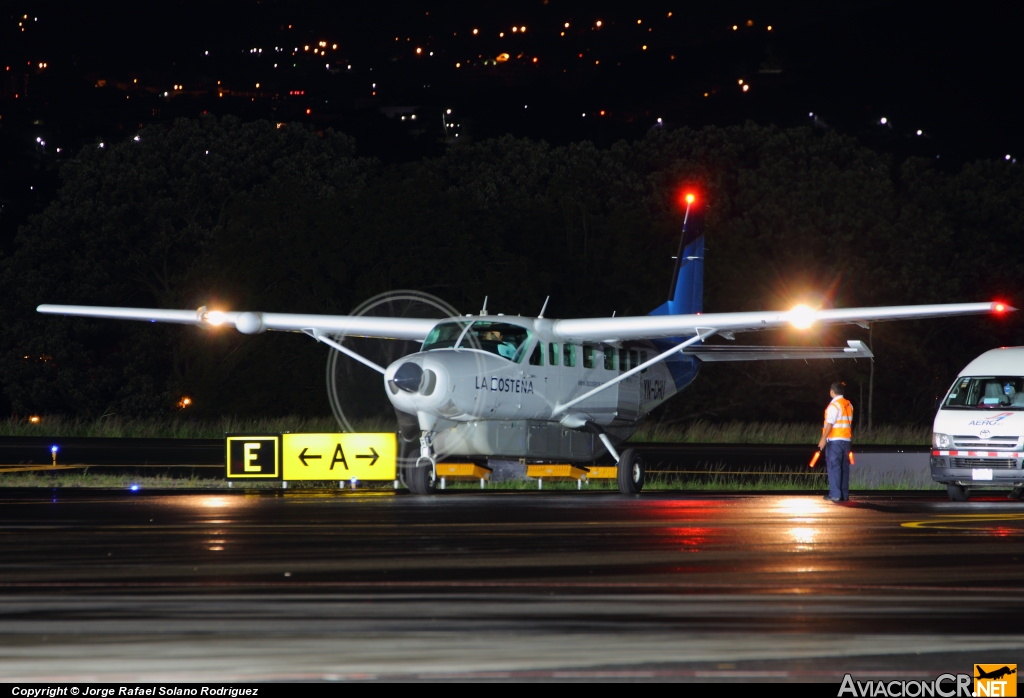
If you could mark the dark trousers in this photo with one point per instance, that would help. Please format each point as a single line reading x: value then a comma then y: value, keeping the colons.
x: 837, y: 460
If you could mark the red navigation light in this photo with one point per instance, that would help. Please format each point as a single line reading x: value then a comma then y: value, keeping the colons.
x: 686, y: 198
x: 998, y: 307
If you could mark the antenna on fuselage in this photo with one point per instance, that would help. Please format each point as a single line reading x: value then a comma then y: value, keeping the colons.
x: 483, y: 310
x: 544, y: 307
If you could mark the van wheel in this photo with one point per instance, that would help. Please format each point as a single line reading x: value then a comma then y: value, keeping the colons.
x: 958, y: 493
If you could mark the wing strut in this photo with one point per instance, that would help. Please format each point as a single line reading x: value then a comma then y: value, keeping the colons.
x: 699, y: 337
x: 315, y: 334
x: 608, y: 445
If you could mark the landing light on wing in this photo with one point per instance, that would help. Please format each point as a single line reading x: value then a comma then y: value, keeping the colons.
x: 215, y: 318
x: 801, y: 317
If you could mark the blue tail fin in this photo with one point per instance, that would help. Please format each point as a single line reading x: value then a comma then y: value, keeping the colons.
x: 686, y: 295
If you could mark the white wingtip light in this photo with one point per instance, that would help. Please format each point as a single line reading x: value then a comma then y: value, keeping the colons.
x: 215, y: 318
x: 802, y: 316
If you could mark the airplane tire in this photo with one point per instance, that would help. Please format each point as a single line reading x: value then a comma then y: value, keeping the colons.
x: 421, y: 480
x: 631, y: 472
x: 958, y: 493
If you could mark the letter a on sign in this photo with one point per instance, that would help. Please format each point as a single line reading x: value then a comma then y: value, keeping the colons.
x: 339, y: 457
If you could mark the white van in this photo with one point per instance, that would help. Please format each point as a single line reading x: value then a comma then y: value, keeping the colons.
x: 977, y: 439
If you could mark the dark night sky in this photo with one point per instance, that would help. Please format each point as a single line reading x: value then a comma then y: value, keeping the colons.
x: 951, y: 74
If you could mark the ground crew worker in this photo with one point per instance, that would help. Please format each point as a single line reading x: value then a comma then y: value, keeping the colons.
x: 836, y: 436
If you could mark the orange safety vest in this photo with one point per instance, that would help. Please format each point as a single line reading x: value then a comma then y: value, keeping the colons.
x: 842, y: 428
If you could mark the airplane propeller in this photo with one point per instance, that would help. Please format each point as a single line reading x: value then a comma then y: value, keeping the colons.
x: 354, y: 391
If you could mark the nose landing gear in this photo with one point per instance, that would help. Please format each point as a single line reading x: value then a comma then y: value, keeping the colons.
x: 421, y: 476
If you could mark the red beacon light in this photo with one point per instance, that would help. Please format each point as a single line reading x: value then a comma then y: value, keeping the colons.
x: 686, y: 199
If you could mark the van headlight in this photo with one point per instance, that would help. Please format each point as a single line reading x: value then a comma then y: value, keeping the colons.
x: 942, y: 440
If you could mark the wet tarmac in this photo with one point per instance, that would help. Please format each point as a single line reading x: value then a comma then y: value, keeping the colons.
x: 367, y: 585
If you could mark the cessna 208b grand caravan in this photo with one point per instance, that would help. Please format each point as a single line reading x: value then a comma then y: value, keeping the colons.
x: 542, y: 389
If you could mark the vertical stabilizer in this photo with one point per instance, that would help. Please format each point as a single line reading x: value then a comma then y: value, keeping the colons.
x: 686, y: 294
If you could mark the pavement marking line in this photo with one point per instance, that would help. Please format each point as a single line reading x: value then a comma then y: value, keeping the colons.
x: 960, y: 521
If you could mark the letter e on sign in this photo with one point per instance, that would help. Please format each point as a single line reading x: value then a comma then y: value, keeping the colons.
x: 253, y: 456
x: 248, y: 464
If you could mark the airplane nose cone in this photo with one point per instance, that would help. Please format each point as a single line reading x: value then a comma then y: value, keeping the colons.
x: 408, y: 377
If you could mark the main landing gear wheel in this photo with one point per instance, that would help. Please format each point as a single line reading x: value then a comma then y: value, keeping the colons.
x: 958, y: 493
x: 631, y: 472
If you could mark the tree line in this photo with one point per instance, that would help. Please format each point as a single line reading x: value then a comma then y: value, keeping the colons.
x: 253, y: 215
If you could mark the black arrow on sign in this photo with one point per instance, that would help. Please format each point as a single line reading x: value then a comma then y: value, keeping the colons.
x: 303, y: 456
x: 375, y: 455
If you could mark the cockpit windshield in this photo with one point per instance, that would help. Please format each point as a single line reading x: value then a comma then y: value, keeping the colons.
x: 445, y: 335
x: 501, y: 338
x: 986, y: 393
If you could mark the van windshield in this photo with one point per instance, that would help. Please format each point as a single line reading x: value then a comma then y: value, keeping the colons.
x: 986, y: 393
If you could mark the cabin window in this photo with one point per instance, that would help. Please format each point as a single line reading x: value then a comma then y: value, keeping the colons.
x: 588, y: 355
x: 537, y: 355
x: 643, y: 358
x: 569, y: 355
x: 610, y: 356
x: 553, y: 354
x: 634, y: 358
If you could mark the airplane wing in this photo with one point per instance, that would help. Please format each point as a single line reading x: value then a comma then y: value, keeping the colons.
x: 661, y: 326
x: 609, y: 329
x: 253, y: 323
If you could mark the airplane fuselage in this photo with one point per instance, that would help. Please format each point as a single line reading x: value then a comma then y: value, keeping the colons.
x: 481, y: 396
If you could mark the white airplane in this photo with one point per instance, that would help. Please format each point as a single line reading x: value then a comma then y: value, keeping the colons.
x: 542, y: 389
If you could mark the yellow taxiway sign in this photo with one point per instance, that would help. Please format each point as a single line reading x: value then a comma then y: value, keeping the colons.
x: 253, y: 457
x: 339, y: 456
